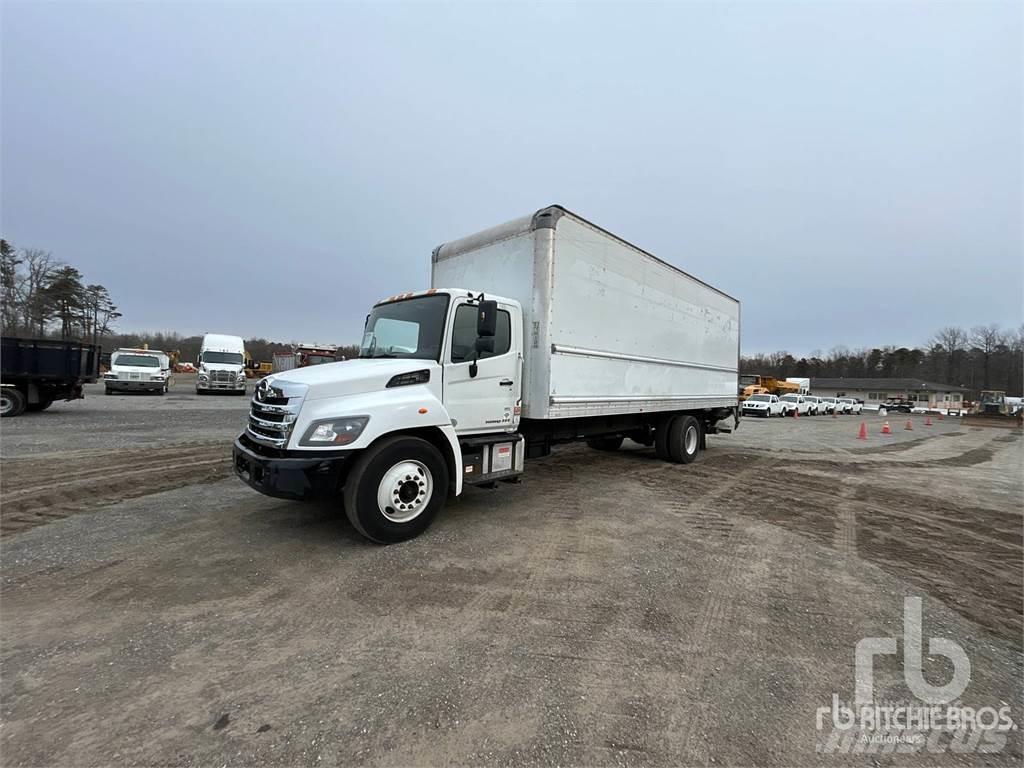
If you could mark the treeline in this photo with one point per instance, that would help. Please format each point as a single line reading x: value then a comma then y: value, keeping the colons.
x: 983, y: 357
x: 41, y: 296
x: 187, y: 347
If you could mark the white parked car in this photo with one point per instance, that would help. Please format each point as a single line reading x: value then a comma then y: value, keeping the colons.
x: 829, y: 404
x: 762, y: 405
x: 851, y: 405
x: 795, y: 404
x: 817, y: 404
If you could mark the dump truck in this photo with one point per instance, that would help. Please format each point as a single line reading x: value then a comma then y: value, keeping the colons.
x: 545, y: 330
x: 755, y: 384
x: 36, y: 372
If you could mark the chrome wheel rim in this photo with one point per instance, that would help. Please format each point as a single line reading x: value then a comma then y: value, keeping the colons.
x: 6, y: 404
x: 690, y: 442
x: 405, y: 491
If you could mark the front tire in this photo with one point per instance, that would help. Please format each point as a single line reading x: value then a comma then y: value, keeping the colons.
x: 12, y: 402
x: 395, y: 489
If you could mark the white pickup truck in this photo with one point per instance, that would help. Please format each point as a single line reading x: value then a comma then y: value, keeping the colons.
x: 138, y: 370
x: 561, y: 332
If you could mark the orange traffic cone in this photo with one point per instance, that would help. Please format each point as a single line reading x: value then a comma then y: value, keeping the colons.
x: 927, y: 421
x: 834, y: 414
x: 885, y: 429
x: 863, y: 431
x: 796, y: 413
x: 909, y: 426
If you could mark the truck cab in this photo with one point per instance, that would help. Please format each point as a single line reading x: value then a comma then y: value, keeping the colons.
x: 221, y: 365
x: 138, y: 370
x: 435, y: 369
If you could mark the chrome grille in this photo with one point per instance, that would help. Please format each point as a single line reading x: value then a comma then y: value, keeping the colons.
x: 273, y: 411
x: 222, y: 377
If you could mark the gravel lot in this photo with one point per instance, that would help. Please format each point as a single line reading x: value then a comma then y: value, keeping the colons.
x: 611, y: 609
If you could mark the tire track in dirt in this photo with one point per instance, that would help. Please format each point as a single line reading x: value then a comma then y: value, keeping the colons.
x: 37, y: 490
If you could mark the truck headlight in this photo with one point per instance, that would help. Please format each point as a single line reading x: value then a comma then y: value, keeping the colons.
x: 341, y: 431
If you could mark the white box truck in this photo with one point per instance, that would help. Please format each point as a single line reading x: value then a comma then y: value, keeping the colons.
x: 544, y: 330
x: 221, y: 364
x: 138, y: 370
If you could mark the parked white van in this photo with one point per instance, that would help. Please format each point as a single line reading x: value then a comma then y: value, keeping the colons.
x: 138, y: 370
x: 221, y: 364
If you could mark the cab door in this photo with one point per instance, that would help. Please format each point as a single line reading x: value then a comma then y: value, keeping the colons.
x: 490, y: 400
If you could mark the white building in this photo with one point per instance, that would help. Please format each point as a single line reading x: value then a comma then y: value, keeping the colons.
x: 926, y: 393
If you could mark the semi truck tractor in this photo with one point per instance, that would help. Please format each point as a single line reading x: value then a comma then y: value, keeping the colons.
x: 221, y: 364
x: 547, y: 329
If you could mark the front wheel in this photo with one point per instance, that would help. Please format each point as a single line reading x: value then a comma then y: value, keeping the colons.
x: 395, y: 489
x: 12, y: 402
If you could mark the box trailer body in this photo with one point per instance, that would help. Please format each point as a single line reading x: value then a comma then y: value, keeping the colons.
x: 544, y: 330
x: 609, y: 329
x: 35, y: 372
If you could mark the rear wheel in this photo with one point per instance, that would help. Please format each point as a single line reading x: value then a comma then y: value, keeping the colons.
x: 661, y: 437
x: 395, y: 489
x: 605, y: 443
x: 12, y: 402
x: 42, y: 405
x: 684, y: 439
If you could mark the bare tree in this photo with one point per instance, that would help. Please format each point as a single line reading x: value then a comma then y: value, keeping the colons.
x: 986, y: 339
x: 952, y: 340
x: 36, y: 309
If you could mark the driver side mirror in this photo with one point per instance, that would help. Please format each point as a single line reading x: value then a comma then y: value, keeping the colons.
x: 487, y: 319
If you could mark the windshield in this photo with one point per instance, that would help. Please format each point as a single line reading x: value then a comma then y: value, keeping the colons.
x: 790, y: 398
x: 229, y: 358
x: 146, y: 361
x: 410, y: 329
x: 318, y: 359
x: 760, y: 398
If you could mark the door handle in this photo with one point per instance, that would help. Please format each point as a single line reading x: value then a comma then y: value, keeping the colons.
x: 505, y: 383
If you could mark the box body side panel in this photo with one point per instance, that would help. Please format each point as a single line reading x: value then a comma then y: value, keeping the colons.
x: 629, y: 333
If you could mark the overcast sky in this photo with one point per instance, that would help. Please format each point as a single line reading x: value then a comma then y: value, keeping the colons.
x: 851, y: 172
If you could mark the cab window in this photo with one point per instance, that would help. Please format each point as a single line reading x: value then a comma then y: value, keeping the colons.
x: 464, y: 334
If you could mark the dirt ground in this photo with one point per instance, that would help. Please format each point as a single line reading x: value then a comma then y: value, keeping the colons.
x: 610, y: 610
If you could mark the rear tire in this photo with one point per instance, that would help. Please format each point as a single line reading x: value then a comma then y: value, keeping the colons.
x: 12, y: 402
x: 605, y: 443
x: 661, y: 438
x: 396, y: 489
x: 684, y: 439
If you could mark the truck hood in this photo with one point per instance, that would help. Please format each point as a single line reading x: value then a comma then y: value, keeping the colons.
x: 352, y: 377
x: 144, y: 369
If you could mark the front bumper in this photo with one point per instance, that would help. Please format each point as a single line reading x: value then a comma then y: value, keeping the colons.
x: 222, y: 385
x: 289, y: 475
x: 129, y: 385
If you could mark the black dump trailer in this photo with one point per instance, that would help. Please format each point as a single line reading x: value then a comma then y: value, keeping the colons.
x: 35, y: 372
